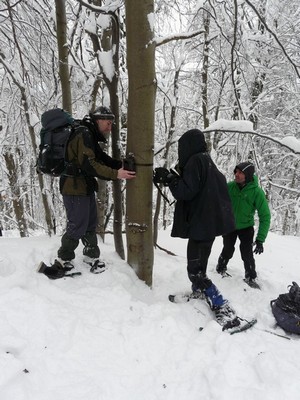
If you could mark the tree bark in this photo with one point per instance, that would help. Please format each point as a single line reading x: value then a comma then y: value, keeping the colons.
x: 17, y: 199
x: 140, y: 140
x: 63, y: 52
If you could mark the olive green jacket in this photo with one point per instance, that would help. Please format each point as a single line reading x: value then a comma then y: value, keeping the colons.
x: 246, y: 202
x: 86, y: 161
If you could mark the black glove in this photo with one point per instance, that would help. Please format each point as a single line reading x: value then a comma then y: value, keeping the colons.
x: 259, y: 248
x: 160, y: 176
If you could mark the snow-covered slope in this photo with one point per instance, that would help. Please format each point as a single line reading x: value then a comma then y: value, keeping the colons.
x: 109, y: 337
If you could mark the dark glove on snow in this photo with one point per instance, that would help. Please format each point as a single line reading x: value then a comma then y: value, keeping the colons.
x: 259, y: 248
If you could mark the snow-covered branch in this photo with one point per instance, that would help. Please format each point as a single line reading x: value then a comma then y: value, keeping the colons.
x: 263, y: 21
x: 284, y: 187
x: 166, y: 39
x: 13, y: 72
x: 111, y: 8
x: 246, y: 127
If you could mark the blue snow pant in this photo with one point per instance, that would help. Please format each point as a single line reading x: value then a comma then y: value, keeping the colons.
x: 81, y: 224
x: 198, y: 252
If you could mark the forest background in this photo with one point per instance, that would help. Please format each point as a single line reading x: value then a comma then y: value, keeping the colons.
x: 163, y: 67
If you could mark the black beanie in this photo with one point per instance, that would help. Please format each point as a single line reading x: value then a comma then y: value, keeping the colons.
x: 247, y: 168
x: 102, y: 113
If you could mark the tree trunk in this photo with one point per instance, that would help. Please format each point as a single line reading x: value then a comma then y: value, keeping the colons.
x: 110, y: 42
x: 63, y: 51
x: 166, y: 154
x: 206, y: 23
x: 17, y: 198
x: 140, y: 141
x: 113, y: 87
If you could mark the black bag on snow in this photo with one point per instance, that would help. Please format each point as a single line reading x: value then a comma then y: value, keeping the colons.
x: 57, y: 126
x: 286, y: 309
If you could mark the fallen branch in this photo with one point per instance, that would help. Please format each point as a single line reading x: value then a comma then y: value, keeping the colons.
x: 167, y: 251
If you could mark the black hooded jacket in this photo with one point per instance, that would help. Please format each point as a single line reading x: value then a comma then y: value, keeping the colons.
x: 203, y: 208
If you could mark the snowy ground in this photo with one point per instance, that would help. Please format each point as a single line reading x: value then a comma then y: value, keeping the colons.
x: 109, y: 337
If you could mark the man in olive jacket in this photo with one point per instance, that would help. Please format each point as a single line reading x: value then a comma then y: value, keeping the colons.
x: 78, y: 185
x: 247, y: 198
x: 202, y: 211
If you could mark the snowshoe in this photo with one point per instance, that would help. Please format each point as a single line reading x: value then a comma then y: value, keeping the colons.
x: 252, y: 283
x: 55, y: 271
x: 96, y: 266
x: 185, y: 297
x: 225, y: 316
x: 212, y: 296
x: 242, y: 326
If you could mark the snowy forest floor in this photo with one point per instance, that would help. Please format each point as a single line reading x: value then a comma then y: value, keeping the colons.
x: 110, y: 337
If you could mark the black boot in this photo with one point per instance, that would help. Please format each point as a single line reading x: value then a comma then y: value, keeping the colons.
x: 251, y: 275
x: 250, y: 272
x: 222, y: 266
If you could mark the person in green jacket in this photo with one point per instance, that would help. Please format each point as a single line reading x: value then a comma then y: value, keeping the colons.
x: 247, y: 198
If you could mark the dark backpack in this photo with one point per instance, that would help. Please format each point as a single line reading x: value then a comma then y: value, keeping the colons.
x: 57, y: 127
x: 286, y: 309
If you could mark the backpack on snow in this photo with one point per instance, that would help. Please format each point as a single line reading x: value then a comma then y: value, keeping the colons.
x: 286, y: 309
x: 57, y: 127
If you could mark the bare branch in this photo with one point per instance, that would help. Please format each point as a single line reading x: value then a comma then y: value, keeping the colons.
x: 274, y: 35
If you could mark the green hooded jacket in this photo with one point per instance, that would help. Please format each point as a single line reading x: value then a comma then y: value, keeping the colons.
x: 246, y: 202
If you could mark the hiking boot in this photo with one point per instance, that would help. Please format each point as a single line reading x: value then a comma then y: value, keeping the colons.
x: 214, y: 297
x: 226, y: 316
x: 197, y: 293
x: 221, y: 267
x: 65, y: 264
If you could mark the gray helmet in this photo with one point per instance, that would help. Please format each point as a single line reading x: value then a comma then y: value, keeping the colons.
x: 102, y: 113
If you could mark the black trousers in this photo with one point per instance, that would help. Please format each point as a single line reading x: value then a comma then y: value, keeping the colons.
x: 198, y: 252
x: 246, y: 249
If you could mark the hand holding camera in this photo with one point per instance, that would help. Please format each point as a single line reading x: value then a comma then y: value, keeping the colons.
x: 163, y: 175
x: 129, y: 163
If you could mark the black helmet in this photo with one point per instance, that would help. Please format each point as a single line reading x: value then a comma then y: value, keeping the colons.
x: 102, y: 113
x: 247, y: 168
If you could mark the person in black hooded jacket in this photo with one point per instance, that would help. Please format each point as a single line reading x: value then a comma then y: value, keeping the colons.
x: 202, y: 211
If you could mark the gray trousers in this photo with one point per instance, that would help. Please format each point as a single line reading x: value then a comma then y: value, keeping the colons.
x: 81, y: 225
